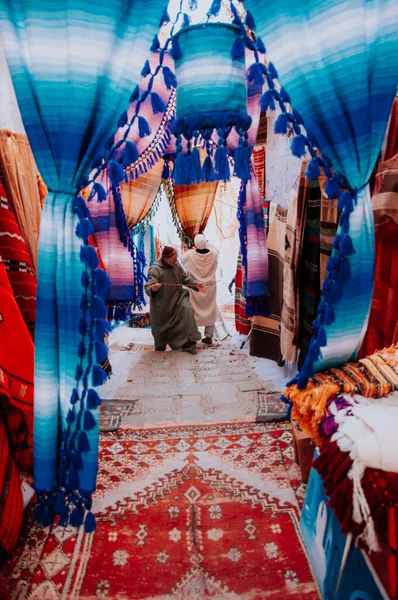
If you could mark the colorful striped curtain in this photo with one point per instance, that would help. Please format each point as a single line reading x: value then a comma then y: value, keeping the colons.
x: 338, y: 60
x: 193, y: 204
x: 73, y: 66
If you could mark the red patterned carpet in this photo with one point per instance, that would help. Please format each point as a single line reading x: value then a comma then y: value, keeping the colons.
x: 183, y: 513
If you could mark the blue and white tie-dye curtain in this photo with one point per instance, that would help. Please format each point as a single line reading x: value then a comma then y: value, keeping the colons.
x: 74, y: 64
x: 338, y: 61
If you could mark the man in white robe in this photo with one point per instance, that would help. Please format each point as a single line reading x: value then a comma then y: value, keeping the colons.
x: 201, y: 263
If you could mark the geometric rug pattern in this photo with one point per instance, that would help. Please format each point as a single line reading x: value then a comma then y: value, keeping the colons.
x: 193, y: 512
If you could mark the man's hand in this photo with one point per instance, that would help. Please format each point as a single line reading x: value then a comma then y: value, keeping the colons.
x: 155, y: 287
x: 201, y: 287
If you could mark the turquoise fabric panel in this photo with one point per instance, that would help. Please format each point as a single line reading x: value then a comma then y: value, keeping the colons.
x: 208, y: 79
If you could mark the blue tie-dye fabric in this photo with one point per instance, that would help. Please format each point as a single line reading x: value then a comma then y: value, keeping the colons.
x: 338, y: 60
x: 73, y: 65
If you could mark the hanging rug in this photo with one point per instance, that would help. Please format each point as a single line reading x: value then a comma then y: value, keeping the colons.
x: 184, y: 512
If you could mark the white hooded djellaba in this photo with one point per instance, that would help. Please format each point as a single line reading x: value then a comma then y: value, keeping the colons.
x: 201, y: 263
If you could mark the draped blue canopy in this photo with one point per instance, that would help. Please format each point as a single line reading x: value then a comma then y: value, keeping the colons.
x: 73, y: 64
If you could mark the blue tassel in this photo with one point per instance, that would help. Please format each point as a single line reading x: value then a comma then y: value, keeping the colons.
x: 302, y: 381
x: 260, y: 46
x: 314, y: 353
x: 321, y: 337
x: 346, y: 245
x: 170, y: 80
x: 78, y: 372
x: 158, y: 106
x: 109, y: 143
x: 329, y: 314
x: 207, y: 170
x: 81, y: 350
x: 345, y: 270
x: 93, y: 400
x: 146, y: 69
x: 102, y: 328
x: 60, y: 501
x: 101, y: 351
x: 267, y: 101
x: 249, y: 21
x: 155, y: 44
x: 135, y: 94
x: 215, y: 8
x: 70, y: 417
x: 89, y: 523
x: 195, y: 168
x: 335, y: 292
x: 336, y: 242
x: 130, y: 153
x: 143, y: 127
x: 74, y: 396
x: 332, y: 189
x: 98, y: 308
x: 297, y: 117
x: 122, y: 119
x: 44, y: 516
x: 284, y: 95
x: 282, y: 124
x: 165, y: 17
x: 85, y: 279
x: 346, y: 202
x: 76, y: 518
x: 64, y: 518
x: 186, y: 21
x: 221, y: 164
x: 241, y: 163
x: 89, y: 422
x: 84, y: 229
x: 100, y: 191
x: 179, y: 169
x: 175, y: 49
x: 88, y: 255
x: 116, y: 173
x: 83, y: 444
x: 238, y: 49
x: 76, y: 460
x: 313, y: 170
x: 166, y: 171
x: 298, y: 146
x: 308, y: 368
x: 73, y: 480
x: 102, y: 283
x: 255, y: 74
x: 99, y: 376
x: 272, y: 71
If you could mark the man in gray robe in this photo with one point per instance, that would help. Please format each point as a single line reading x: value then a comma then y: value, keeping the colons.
x: 171, y: 313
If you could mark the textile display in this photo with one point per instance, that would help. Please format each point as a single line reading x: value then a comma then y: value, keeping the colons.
x: 372, y: 377
x: 309, y: 279
x: 21, y: 184
x: 242, y: 323
x: 139, y: 195
x: 328, y: 229
x: 16, y: 259
x: 253, y: 245
x: 383, y: 323
x: 16, y: 412
x: 367, y: 430
x: 294, y: 232
x: 348, y: 128
x: 259, y: 167
x: 70, y: 107
x: 265, y: 337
